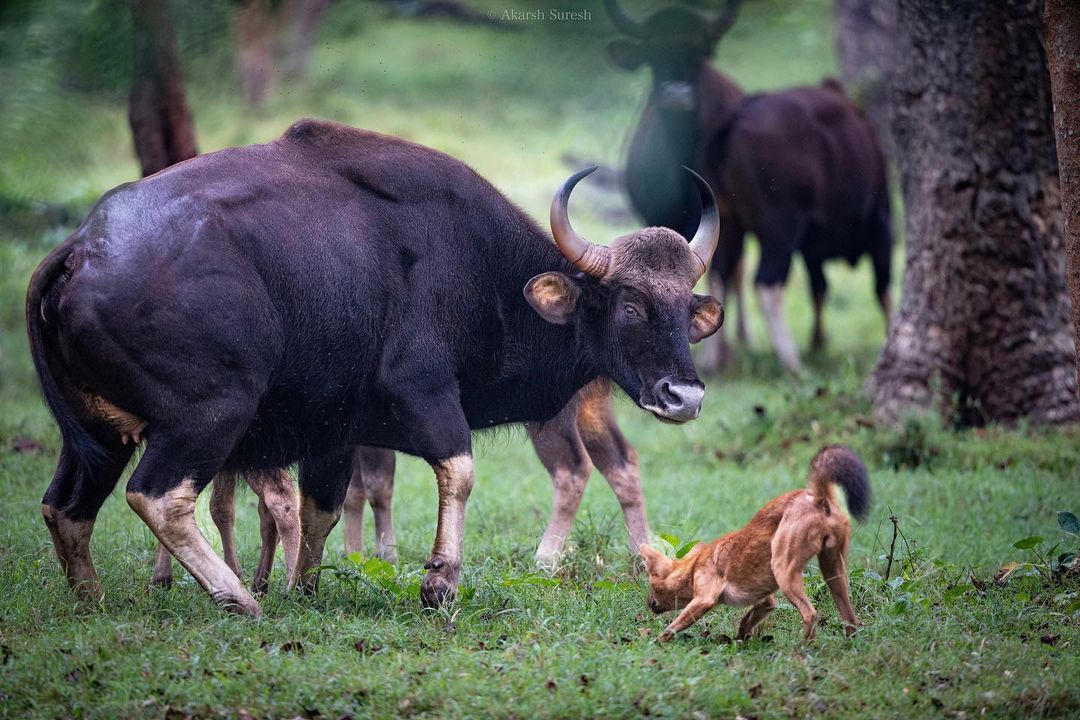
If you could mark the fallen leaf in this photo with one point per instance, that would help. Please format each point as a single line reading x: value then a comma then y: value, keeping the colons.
x: 1050, y: 639
x: 551, y: 684
x: 293, y: 646
x: 755, y: 690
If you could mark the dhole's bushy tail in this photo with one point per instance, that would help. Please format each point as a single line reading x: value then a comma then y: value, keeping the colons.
x: 836, y: 464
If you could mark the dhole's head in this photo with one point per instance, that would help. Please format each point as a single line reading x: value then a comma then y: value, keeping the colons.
x: 668, y: 586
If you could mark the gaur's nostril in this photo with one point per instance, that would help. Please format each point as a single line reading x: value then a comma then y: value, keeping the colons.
x: 668, y: 395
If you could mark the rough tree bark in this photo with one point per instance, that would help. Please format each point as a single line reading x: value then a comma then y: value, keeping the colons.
x: 983, y: 332
x: 1062, y: 18
x: 865, y: 32
x: 158, y: 112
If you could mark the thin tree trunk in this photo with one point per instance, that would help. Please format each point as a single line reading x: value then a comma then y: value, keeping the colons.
x: 300, y: 30
x: 1062, y: 20
x: 865, y: 31
x: 983, y: 331
x: 158, y: 112
x: 254, y: 30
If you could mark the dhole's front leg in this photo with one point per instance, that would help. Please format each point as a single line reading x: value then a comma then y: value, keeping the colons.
x: 689, y: 615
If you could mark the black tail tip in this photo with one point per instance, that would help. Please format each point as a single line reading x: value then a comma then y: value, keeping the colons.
x: 843, y: 467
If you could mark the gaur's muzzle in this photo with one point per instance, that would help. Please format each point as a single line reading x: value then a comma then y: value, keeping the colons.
x: 674, y: 400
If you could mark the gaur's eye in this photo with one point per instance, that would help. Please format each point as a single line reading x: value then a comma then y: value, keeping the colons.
x: 631, y: 312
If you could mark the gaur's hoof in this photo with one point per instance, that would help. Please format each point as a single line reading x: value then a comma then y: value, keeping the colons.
x: 164, y: 582
x: 440, y: 584
x: 548, y: 562
x: 239, y: 605
x: 89, y: 592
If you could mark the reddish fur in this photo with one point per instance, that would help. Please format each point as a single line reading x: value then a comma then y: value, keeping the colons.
x: 747, y: 566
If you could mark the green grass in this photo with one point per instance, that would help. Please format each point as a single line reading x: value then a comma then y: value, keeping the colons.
x: 935, y: 642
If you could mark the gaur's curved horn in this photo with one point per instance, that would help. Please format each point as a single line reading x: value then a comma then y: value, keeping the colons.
x: 703, y: 244
x: 623, y: 22
x: 723, y: 22
x: 588, y: 258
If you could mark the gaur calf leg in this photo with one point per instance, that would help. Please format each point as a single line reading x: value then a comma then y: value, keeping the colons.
x: 559, y: 446
x: 584, y: 433
x: 372, y: 482
x: 278, y: 518
x: 321, y: 503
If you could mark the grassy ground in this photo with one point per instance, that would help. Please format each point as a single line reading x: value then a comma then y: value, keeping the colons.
x: 941, y: 636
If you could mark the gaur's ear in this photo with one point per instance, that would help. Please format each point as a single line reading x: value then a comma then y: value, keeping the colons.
x: 656, y: 563
x: 554, y: 296
x: 625, y: 54
x: 708, y: 317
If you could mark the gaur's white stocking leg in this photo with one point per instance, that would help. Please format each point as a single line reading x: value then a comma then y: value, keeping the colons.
x: 771, y: 299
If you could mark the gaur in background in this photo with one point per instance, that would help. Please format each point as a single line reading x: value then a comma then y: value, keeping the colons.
x: 799, y: 168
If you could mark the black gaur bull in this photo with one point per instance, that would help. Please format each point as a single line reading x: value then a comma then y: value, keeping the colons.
x: 283, y: 303
x: 800, y: 168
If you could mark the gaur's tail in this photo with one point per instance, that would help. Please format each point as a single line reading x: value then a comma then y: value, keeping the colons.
x: 82, y: 447
x: 838, y: 465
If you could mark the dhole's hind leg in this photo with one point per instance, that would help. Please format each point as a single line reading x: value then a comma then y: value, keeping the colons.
x: 70, y: 507
x: 755, y: 616
x: 788, y: 561
x: 834, y: 569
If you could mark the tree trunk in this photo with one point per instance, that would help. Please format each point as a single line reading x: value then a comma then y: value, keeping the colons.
x: 302, y: 19
x: 160, y: 119
x: 865, y: 31
x: 254, y: 29
x: 983, y: 330
x: 1063, y: 48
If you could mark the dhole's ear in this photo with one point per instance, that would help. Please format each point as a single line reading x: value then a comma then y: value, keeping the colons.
x: 625, y: 54
x: 553, y: 296
x: 656, y: 563
x: 708, y: 317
